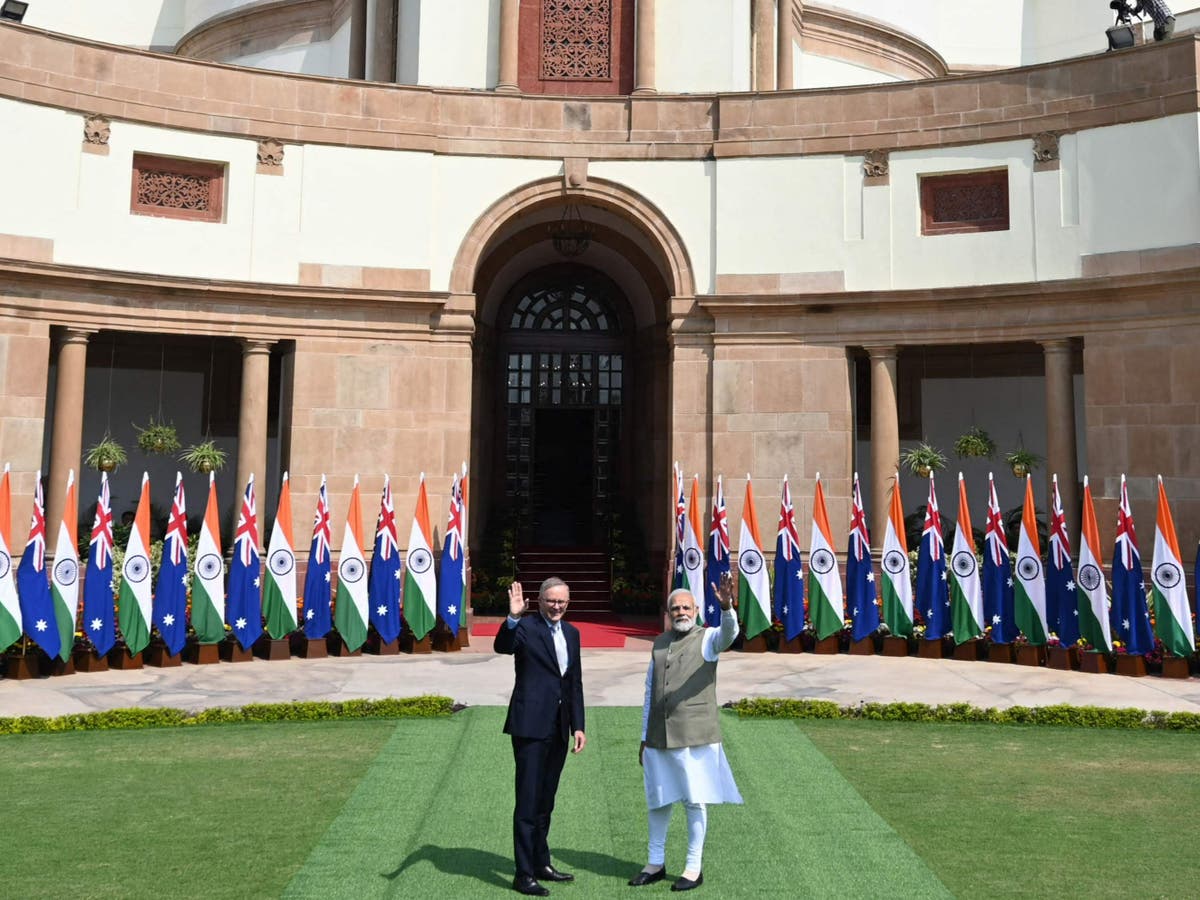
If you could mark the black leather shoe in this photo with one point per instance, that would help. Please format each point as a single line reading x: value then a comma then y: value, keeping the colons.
x: 686, y: 884
x: 525, y: 884
x: 549, y: 873
x: 647, y: 877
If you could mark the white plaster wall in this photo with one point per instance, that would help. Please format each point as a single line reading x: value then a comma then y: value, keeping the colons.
x: 702, y: 45
x: 42, y: 144
x: 992, y: 257
x: 779, y: 215
x: 306, y: 59
x: 133, y: 23
x: 686, y: 194
x: 1138, y: 185
x: 456, y: 43
x: 196, y: 12
x: 813, y: 71
x: 1057, y: 30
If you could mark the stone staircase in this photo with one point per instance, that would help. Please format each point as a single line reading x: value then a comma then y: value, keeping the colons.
x: 585, y: 570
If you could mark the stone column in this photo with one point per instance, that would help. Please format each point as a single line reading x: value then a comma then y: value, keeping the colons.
x: 357, y: 67
x: 1060, y: 431
x: 66, y: 434
x: 885, y: 436
x: 252, y: 416
x: 783, y: 54
x: 762, y: 25
x: 383, y: 42
x: 644, y: 49
x: 510, y: 40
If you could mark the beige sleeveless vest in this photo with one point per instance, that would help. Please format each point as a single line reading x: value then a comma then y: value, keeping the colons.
x: 683, y: 693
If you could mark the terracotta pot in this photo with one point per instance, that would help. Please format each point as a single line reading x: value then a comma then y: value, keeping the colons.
x: 895, y: 646
x: 1065, y: 658
x: 309, y: 648
x: 1175, y: 667
x: 88, y: 661
x: 232, y: 651
x: 1031, y: 655
x: 202, y: 654
x: 969, y: 651
x: 865, y: 647
x: 270, y: 649
x: 1091, y: 661
x: 826, y: 646
x: 1131, y: 664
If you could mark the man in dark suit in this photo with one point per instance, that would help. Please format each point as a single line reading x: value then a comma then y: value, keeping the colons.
x: 545, y: 718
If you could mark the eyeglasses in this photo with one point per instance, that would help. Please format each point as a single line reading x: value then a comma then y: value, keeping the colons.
x: 549, y: 602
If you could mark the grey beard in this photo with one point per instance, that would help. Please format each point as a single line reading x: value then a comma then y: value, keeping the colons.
x: 683, y: 626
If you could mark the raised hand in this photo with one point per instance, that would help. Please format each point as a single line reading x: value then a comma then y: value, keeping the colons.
x: 724, y: 591
x: 516, y: 600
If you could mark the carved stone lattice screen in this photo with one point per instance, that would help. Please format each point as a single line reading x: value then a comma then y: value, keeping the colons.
x: 576, y: 39
x: 964, y: 202
x: 177, y: 188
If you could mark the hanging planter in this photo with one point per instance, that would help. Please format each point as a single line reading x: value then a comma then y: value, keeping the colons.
x: 1022, y: 462
x: 158, y: 437
x: 975, y: 443
x: 106, y: 455
x: 204, y: 457
x: 923, y: 459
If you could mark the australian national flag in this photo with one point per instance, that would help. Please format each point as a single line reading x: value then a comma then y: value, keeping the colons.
x: 678, y: 575
x: 170, y: 594
x: 789, y: 577
x: 317, y: 591
x: 98, y: 606
x: 997, y: 575
x: 717, y: 561
x: 33, y: 590
x: 453, y: 578
x: 1130, y: 618
x: 933, y: 594
x: 383, y: 585
x: 243, y: 609
x: 1062, y: 608
x: 860, y: 575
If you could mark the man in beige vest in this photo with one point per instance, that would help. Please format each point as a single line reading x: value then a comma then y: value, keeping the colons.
x: 681, y: 754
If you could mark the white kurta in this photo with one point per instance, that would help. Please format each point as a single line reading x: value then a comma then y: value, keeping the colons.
x: 699, y: 774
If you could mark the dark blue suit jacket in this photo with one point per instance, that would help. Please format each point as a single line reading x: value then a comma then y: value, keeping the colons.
x: 542, y: 699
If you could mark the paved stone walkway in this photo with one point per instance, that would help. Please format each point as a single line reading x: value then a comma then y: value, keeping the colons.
x: 611, y: 678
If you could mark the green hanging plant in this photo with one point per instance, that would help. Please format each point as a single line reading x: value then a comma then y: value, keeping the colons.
x: 975, y: 442
x: 158, y: 437
x: 106, y: 455
x: 1022, y: 461
x: 204, y: 457
x: 923, y: 459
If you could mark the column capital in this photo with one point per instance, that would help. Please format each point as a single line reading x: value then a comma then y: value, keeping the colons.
x: 882, y: 351
x: 1056, y: 345
x: 251, y: 346
x: 71, y: 334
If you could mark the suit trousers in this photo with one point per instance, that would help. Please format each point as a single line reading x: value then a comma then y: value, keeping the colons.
x: 539, y: 764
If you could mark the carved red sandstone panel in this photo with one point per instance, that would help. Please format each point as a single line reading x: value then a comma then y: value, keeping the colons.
x: 964, y: 202
x: 576, y: 47
x: 177, y: 188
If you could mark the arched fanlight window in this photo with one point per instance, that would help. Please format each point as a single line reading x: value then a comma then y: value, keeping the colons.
x: 576, y: 305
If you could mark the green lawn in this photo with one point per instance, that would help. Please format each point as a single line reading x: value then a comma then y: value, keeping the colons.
x: 422, y: 807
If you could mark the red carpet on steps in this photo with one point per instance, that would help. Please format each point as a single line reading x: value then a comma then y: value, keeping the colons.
x: 595, y: 630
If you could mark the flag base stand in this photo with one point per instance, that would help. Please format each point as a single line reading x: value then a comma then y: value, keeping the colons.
x: 864, y: 647
x: 377, y: 646
x: 895, y: 646
x: 88, y: 661
x: 1032, y: 655
x: 159, y: 656
x: 464, y: 637
x: 1175, y: 667
x: 444, y: 641
x: 22, y: 667
x: 232, y: 651
x: 409, y: 643
x: 930, y: 649
x: 756, y: 644
x: 969, y: 651
x: 272, y: 649
x: 202, y: 654
x: 58, y: 666
x: 336, y: 646
x: 1065, y: 658
x: 309, y: 648
x: 795, y: 645
x: 121, y: 658
x: 1001, y: 653
x: 1131, y: 664
x: 1091, y: 661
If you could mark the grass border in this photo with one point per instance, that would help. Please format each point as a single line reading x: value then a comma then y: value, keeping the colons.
x: 965, y: 713
x: 425, y: 706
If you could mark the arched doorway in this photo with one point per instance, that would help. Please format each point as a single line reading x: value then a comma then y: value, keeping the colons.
x: 563, y: 349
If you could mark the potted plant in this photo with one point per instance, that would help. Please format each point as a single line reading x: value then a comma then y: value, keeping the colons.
x: 975, y: 442
x: 1022, y: 461
x: 923, y: 459
x: 204, y: 457
x: 105, y: 455
x: 158, y: 437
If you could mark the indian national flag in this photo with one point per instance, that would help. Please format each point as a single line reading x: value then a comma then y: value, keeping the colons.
x: 420, y: 584
x: 134, y: 601
x: 966, y: 598
x: 754, y: 585
x: 350, y: 605
x: 1092, y: 591
x: 10, y: 607
x: 1172, y: 615
x: 693, y: 554
x: 64, y: 577
x: 826, y: 607
x: 1029, y: 596
x: 208, y: 585
x: 897, y: 582
x: 279, y: 594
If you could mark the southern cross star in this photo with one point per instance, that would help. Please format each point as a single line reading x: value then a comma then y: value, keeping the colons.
x: 799, y: 575
x: 397, y: 576
x: 40, y: 625
x: 452, y: 609
x: 871, y: 577
x: 1010, y: 582
x: 168, y: 620
x: 96, y: 624
x: 327, y: 578
x: 1070, y: 585
x: 995, y: 620
x: 256, y: 584
x: 308, y: 614
x: 240, y: 623
x: 785, y: 610
x: 381, y: 610
x: 711, y: 609
x: 1124, y: 624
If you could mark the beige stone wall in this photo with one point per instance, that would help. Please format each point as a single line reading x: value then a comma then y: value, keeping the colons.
x: 1143, y: 418
x: 24, y: 366
x: 400, y: 408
